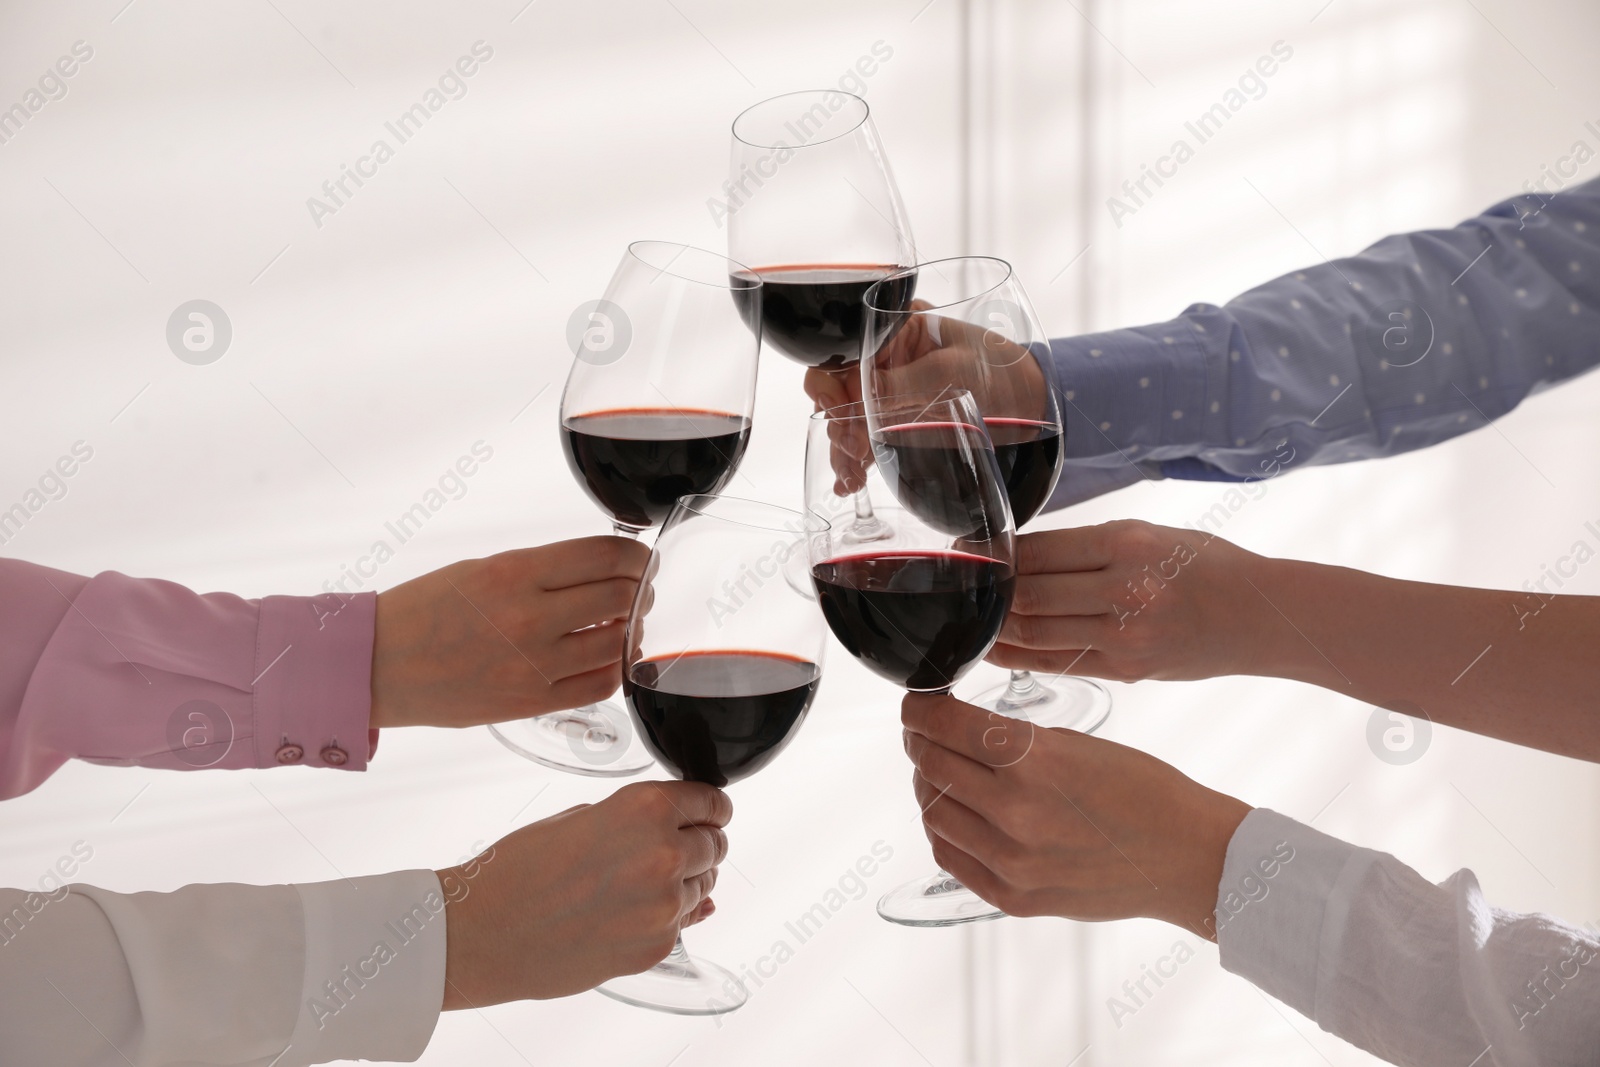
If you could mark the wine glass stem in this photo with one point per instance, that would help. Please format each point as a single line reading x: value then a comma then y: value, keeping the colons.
x: 1022, y: 685
x: 679, y: 955
x: 624, y: 531
x: 867, y: 526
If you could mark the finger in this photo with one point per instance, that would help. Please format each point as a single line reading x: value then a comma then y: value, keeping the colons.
x: 1052, y: 661
x: 577, y: 606
x: 707, y: 908
x: 696, y: 891
x: 1055, y: 631
x: 590, y: 559
x: 826, y: 390
x: 596, y: 648
x: 587, y: 688
x: 1063, y: 593
x: 926, y: 796
x: 849, y: 438
x: 703, y: 848
x: 906, y: 340
x: 969, y: 871
x: 949, y: 773
x: 696, y: 804
x: 983, y: 737
x: 1085, y: 548
x: 947, y: 817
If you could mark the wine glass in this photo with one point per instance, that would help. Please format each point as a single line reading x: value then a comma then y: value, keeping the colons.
x: 658, y: 405
x: 813, y: 207
x: 925, y: 604
x: 723, y: 659
x: 972, y: 327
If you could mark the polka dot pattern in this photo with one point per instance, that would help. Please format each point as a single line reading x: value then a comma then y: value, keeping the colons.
x: 1213, y: 391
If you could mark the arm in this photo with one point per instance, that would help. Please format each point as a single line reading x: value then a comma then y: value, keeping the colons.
x: 1313, y: 366
x: 359, y: 968
x: 131, y: 672
x: 1154, y: 602
x: 135, y: 672
x: 1414, y: 972
x: 1084, y: 828
x: 221, y: 974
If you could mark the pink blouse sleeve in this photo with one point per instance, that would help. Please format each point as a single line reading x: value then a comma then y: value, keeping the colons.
x: 137, y: 672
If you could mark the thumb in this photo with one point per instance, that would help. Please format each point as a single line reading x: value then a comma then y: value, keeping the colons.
x: 703, y: 911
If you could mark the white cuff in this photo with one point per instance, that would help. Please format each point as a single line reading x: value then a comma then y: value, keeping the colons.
x: 1273, y: 929
x: 374, y: 968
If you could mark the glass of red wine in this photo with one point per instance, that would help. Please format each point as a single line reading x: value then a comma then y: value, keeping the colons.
x: 813, y: 207
x: 923, y: 605
x: 723, y: 659
x: 972, y: 327
x: 658, y: 405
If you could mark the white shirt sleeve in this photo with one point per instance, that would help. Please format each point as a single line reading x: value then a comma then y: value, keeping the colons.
x: 1417, y: 973
x: 227, y: 975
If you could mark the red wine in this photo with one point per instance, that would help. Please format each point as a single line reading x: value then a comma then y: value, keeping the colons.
x: 920, y: 619
x: 636, y: 462
x: 719, y: 716
x: 945, y: 474
x: 814, y: 314
x: 1029, y: 454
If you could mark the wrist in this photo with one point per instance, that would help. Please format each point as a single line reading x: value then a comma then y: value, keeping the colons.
x: 1271, y: 646
x: 461, y: 966
x: 1195, y: 880
x: 384, y: 712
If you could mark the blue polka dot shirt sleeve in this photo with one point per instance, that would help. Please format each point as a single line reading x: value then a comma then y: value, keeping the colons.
x: 1420, y: 338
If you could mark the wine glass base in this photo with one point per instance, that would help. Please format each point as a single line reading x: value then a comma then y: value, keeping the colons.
x: 597, y: 740
x: 680, y: 987
x: 867, y: 532
x: 1062, y: 703
x: 936, y: 901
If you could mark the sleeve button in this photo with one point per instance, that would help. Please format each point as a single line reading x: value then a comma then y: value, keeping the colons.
x: 290, y: 753
x: 334, y: 756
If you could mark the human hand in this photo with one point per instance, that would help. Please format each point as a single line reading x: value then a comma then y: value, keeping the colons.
x: 1128, y: 600
x: 928, y: 354
x: 598, y: 891
x: 521, y: 633
x: 1055, y: 822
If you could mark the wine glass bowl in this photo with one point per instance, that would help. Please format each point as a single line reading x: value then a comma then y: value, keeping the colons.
x: 925, y: 604
x: 722, y: 661
x: 722, y: 658
x: 670, y: 415
x: 814, y: 208
x: 972, y: 327
x: 658, y: 405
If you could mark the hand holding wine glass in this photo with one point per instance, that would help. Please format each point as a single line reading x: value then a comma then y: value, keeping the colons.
x: 723, y: 658
x: 973, y: 327
x: 922, y: 606
x: 525, y: 632
x: 931, y: 352
x: 1054, y: 822
x: 599, y: 890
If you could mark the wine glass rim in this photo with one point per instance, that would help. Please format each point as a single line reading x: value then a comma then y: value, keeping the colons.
x: 739, y: 279
x: 706, y: 504
x: 905, y: 272
x: 857, y: 409
x: 866, y: 114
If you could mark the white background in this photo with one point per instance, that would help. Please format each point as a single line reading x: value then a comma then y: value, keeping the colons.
x: 371, y: 352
